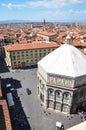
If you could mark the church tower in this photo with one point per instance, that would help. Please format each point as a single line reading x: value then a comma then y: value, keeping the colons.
x: 44, y: 24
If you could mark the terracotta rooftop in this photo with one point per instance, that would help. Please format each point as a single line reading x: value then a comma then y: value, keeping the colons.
x: 47, y: 33
x: 1, y: 37
x: 5, y: 123
x: 58, y: 40
x: 76, y: 43
x: 29, y: 46
x: 21, y: 42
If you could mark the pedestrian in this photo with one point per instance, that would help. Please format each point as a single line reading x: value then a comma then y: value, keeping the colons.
x: 62, y: 127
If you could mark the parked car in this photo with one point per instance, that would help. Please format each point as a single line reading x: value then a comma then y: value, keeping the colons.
x: 28, y: 91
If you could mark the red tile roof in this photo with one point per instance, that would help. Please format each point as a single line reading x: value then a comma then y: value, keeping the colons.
x: 29, y: 46
x: 77, y: 43
x: 5, y: 123
x: 21, y: 42
x: 1, y: 37
x: 47, y: 33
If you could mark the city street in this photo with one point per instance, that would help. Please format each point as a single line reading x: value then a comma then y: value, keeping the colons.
x: 38, y: 117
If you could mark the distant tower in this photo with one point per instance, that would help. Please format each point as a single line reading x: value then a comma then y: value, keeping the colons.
x: 44, y: 21
x: 44, y: 24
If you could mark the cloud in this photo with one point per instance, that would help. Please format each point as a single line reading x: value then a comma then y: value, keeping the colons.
x: 39, y: 3
x: 48, y: 3
x: 10, y: 5
x: 59, y: 16
x: 77, y: 1
x: 70, y: 15
x: 62, y: 11
x: 45, y: 3
x: 55, y: 3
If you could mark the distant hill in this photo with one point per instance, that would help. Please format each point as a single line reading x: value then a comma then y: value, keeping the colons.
x: 36, y: 22
x: 21, y: 21
x: 13, y: 21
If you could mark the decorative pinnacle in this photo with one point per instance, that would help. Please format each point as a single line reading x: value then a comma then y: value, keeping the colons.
x: 68, y: 39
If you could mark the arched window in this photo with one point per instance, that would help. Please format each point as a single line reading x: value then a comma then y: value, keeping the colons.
x: 50, y: 92
x: 66, y: 95
x: 58, y: 93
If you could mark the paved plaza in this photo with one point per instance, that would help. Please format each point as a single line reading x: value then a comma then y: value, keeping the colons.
x: 38, y: 117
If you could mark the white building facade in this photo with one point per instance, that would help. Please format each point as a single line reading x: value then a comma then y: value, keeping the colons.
x: 48, y: 36
x: 62, y: 79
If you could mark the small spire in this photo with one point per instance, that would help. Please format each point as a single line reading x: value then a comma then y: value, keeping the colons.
x: 68, y: 39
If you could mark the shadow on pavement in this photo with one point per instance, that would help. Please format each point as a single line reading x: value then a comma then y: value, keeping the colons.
x: 3, y: 67
x: 16, y: 84
x: 18, y: 118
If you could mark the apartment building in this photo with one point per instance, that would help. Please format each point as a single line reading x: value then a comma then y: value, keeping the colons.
x: 24, y: 55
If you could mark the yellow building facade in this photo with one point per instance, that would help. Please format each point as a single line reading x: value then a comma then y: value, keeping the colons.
x: 26, y: 55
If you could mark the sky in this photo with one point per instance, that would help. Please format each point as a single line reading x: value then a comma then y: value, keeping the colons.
x: 38, y: 10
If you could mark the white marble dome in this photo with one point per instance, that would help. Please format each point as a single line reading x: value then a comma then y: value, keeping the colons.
x: 66, y: 60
